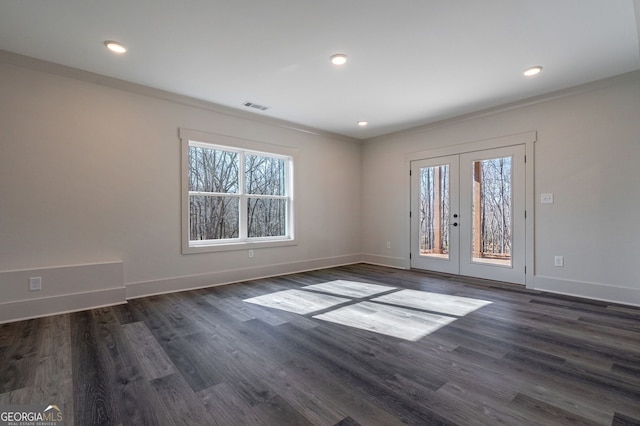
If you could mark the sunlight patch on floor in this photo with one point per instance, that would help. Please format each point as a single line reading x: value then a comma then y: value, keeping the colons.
x: 350, y: 288
x: 403, y: 323
x: 405, y: 314
x: 434, y: 302
x: 297, y: 301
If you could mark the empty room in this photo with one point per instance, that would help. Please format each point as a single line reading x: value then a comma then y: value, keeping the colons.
x: 295, y: 212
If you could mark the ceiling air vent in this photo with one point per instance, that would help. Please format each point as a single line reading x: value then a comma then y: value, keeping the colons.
x: 256, y: 106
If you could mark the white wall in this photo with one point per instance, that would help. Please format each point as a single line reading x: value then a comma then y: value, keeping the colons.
x: 90, y: 184
x: 91, y: 174
x: 587, y: 154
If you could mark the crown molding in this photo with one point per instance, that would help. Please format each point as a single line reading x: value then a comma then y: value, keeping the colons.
x: 559, y: 94
x: 35, y: 64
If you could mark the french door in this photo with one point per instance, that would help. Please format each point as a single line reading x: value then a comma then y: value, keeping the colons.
x: 468, y: 214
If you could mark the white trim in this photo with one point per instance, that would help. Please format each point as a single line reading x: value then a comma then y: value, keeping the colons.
x: 588, y: 290
x: 560, y: 94
x: 222, y: 142
x: 232, y: 245
x: 452, y: 148
x: 40, y: 65
x: 213, y: 279
x: 62, y: 304
x: 75, y: 265
x: 391, y: 262
x: 65, y: 303
x: 64, y: 289
x: 515, y: 272
x: 231, y: 141
x: 18, y: 310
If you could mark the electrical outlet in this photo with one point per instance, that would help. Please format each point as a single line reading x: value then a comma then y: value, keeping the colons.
x: 559, y: 261
x: 250, y: 254
x: 35, y: 283
x: 388, y: 244
x: 546, y: 198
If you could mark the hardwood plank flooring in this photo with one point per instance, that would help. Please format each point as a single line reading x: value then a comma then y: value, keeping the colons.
x: 208, y: 357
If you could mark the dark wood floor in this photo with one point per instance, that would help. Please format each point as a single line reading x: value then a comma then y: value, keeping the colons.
x: 207, y: 358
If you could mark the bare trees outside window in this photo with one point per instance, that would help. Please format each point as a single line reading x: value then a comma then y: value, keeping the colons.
x: 434, y: 210
x: 492, y: 210
x: 237, y: 195
x: 265, y: 184
x: 213, y: 187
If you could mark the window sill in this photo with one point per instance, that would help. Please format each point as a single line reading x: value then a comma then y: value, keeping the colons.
x: 244, y: 245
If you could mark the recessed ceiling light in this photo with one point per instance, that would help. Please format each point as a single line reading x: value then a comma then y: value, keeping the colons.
x: 115, y: 47
x: 362, y: 123
x: 529, y: 72
x: 338, y: 59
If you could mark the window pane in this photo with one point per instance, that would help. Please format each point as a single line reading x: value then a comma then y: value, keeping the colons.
x: 434, y: 211
x: 492, y: 211
x: 267, y: 217
x: 213, y: 170
x: 265, y: 175
x: 213, y: 218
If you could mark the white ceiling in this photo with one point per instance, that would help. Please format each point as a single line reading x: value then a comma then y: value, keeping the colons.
x: 411, y: 61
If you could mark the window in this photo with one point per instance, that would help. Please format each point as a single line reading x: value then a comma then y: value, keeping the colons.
x: 235, y: 195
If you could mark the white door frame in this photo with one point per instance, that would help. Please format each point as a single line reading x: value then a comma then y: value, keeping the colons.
x: 450, y: 263
x: 528, y: 139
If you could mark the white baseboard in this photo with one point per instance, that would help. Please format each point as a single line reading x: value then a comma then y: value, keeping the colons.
x: 80, y: 287
x: 596, y: 291
x: 47, y: 306
x: 64, y: 289
x: 393, y: 262
x: 191, y: 282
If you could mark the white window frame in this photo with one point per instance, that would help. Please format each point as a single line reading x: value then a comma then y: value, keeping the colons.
x: 242, y: 147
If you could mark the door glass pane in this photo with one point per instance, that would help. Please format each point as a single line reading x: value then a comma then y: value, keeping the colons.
x: 491, y: 211
x: 434, y: 211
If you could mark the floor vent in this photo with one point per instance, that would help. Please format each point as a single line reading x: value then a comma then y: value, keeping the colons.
x: 256, y: 106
